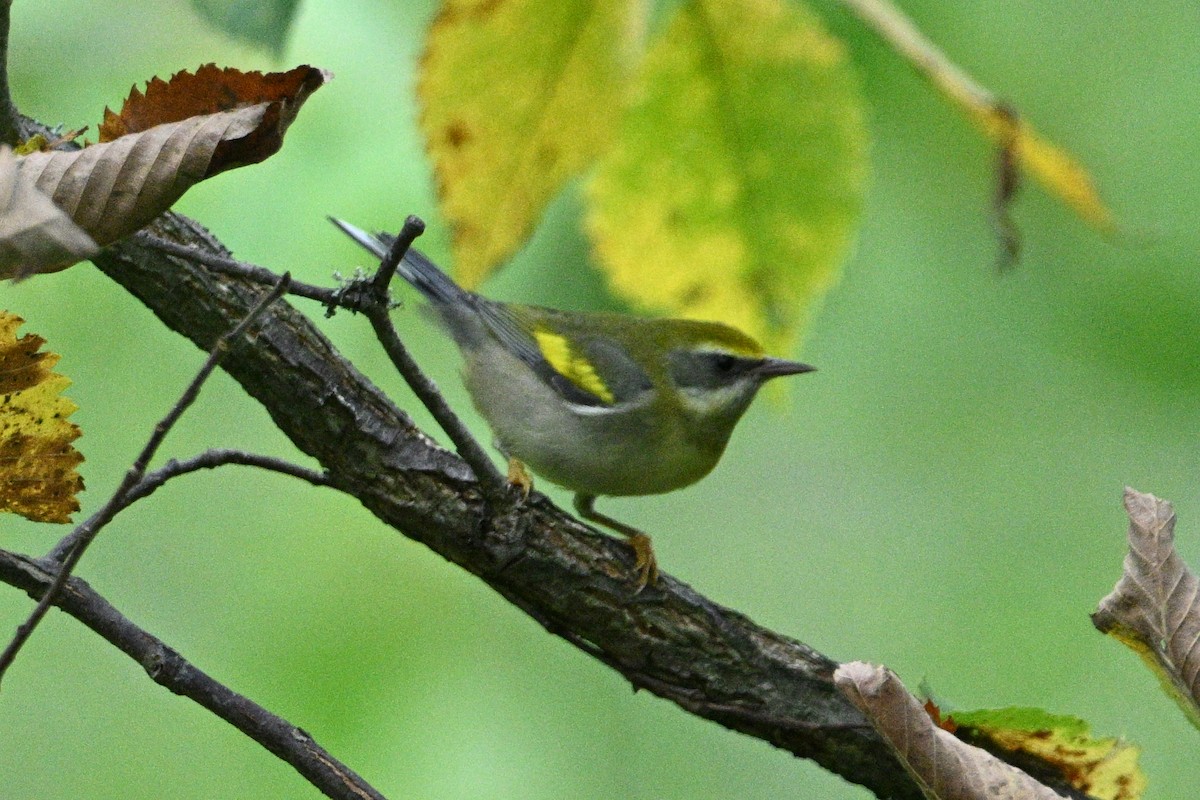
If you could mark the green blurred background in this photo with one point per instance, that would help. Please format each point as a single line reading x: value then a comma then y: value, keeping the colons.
x: 943, y: 496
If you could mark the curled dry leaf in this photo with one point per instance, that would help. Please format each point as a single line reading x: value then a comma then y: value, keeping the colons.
x: 944, y: 767
x: 37, y: 460
x: 35, y: 235
x: 1155, y: 607
x: 176, y: 134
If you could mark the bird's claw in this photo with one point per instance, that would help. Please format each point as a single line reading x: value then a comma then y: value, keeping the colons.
x: 520, y: 478
x: 644, y: 562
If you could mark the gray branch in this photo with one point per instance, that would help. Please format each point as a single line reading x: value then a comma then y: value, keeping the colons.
x: 671, y: 641
x: 167, y: 668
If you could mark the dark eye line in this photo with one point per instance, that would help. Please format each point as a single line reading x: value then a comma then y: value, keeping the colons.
x: 724, y: 362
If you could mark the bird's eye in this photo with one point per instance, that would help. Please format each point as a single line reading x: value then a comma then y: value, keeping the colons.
x: 724, y: 363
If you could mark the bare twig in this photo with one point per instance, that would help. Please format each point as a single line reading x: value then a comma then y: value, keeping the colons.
x: 370, y: 297
x: 231, y: 266
x: 899, y: 31
x: 1008, y: 182
x: 171, y: 670
x: 209, y: 459
x: 493, y: 485
x: 414, y: 226
x: 86, y: 533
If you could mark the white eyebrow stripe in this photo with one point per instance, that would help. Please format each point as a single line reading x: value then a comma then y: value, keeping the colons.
x: 714, y: 349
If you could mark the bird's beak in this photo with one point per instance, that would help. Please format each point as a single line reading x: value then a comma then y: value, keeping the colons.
x: 774, y: 367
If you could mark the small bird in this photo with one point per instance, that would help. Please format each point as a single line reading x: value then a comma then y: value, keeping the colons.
x: 601, y: 404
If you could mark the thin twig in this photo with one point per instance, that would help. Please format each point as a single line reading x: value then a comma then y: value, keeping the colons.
x: 998, y: 118
x: 174, y: 672
x: 1008, y: 182
x: 377, y: 309
x: 899, y: 31
x: 242, y: 269
x: 209, y: 459
x: 414, y: 226
x: 494, y: 486
x: 375, y: 305
x: 86, y: 533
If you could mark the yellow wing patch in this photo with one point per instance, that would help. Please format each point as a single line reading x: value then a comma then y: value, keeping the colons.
x: 572, y: 366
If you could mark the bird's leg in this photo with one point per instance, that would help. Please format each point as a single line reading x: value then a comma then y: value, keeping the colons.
x: 643, y: 552
x: 519, y: 477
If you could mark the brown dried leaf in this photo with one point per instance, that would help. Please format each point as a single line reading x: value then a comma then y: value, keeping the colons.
x: 177, y: 134
x: 944, y: 767
x: 35, y: 235
x: 37, y: 460
x: 1155, y: 607
x: 214, y: 90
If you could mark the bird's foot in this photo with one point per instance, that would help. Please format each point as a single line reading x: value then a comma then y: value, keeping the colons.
x: 644, y: 561
x: 519, y: 477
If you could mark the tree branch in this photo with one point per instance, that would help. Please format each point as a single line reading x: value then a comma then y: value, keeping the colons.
x: 76, y: 543
x: 574, y: 581
x: 209, y: 459
x: 168, y: 668
x: 10, y: 121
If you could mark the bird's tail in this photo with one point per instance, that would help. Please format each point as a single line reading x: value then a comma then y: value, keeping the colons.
x: 415, y: 267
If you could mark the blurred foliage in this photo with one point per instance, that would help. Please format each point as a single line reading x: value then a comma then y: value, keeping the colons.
x: 261, y: 22
x: 942, y: 496
x: 736, y: 182
x: 517, y: 98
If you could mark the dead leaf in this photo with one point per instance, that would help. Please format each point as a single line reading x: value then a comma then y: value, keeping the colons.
x: 37, y: 460
x: 944, y: 767
x: 164, y: 141
x: 1155, y: 607
x: 213, y: 90
x: 35, y: 235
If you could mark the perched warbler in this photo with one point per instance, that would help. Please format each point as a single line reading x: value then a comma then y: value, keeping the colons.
x: 601, y: 404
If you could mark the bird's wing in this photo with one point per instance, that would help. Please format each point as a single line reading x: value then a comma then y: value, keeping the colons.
x: 583, y: 370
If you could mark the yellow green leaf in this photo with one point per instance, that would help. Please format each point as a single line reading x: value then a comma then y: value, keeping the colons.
x: 517, y: 97
x: 1106, y: 769
x: 1049, y: 164
x: 37, y: 460
x: 737, y: 177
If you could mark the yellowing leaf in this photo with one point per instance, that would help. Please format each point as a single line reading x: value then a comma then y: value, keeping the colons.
x: 1052, y: 166
x: 733, y: 189
x: 178, y: 133
x: 1048, y: 163
x: 517, y: 96
x: 1105, y: 769
x: 1155, y: 607
x: 35, y: 235
x: 944, y: 767
x: 37, y: 460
